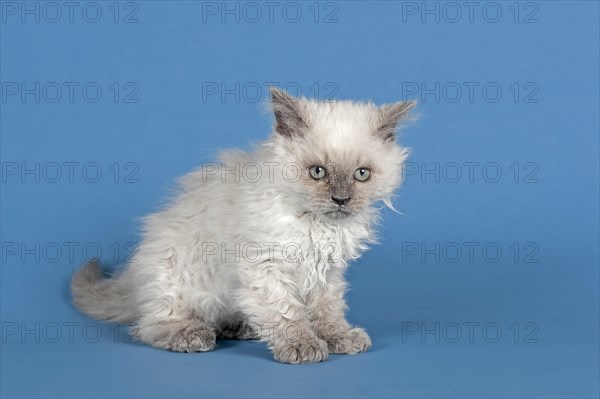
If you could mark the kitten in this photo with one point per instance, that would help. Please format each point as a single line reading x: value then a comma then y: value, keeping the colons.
x: 255, y: 247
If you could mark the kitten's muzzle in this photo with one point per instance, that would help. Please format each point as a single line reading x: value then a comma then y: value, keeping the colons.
x: 341, y: 201
x: 338, y: 214
x: 341, y: 211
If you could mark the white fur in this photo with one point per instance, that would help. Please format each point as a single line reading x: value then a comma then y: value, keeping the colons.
x: 173, y: 278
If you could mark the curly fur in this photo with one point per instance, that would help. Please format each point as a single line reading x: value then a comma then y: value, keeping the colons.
x: 253, y: 247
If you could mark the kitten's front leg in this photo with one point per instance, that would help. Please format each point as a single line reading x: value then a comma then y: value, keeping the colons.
x: 273, y: 308
x: 326, y: 309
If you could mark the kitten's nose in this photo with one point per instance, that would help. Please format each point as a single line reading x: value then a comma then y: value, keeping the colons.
x: 341, y: 201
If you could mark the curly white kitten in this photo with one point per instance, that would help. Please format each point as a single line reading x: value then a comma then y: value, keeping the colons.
x: 255, y: 247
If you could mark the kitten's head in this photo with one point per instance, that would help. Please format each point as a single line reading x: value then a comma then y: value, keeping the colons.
x: 345, y: 151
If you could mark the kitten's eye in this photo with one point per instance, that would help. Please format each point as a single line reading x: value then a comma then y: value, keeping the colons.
x: 317, y: 172
x: 362, y: 174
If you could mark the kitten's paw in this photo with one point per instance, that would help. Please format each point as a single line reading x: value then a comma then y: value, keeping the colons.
x: 193, y: 340
x: 305, y: 351
x: 186, y: 337
x: 349, y: 342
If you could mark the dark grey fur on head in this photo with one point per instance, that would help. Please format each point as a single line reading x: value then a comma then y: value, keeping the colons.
x: 288, y: 115
x: 390, y: 115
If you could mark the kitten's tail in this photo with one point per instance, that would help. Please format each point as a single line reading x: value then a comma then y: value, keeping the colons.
x: 102, y: 298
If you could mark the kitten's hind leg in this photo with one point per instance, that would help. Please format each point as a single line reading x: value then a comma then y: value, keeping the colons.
x: 178, y: 335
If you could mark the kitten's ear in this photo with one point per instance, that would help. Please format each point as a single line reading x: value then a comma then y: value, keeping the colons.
x: 389, y: 116
x: 288, y: 114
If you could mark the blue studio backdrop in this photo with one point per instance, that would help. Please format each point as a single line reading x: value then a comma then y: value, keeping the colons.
x: 486, y: 284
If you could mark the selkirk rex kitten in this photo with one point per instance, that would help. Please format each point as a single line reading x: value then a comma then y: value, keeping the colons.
x: 255, y: 246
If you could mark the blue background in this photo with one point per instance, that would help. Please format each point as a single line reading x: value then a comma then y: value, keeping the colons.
x: 547, y: 214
